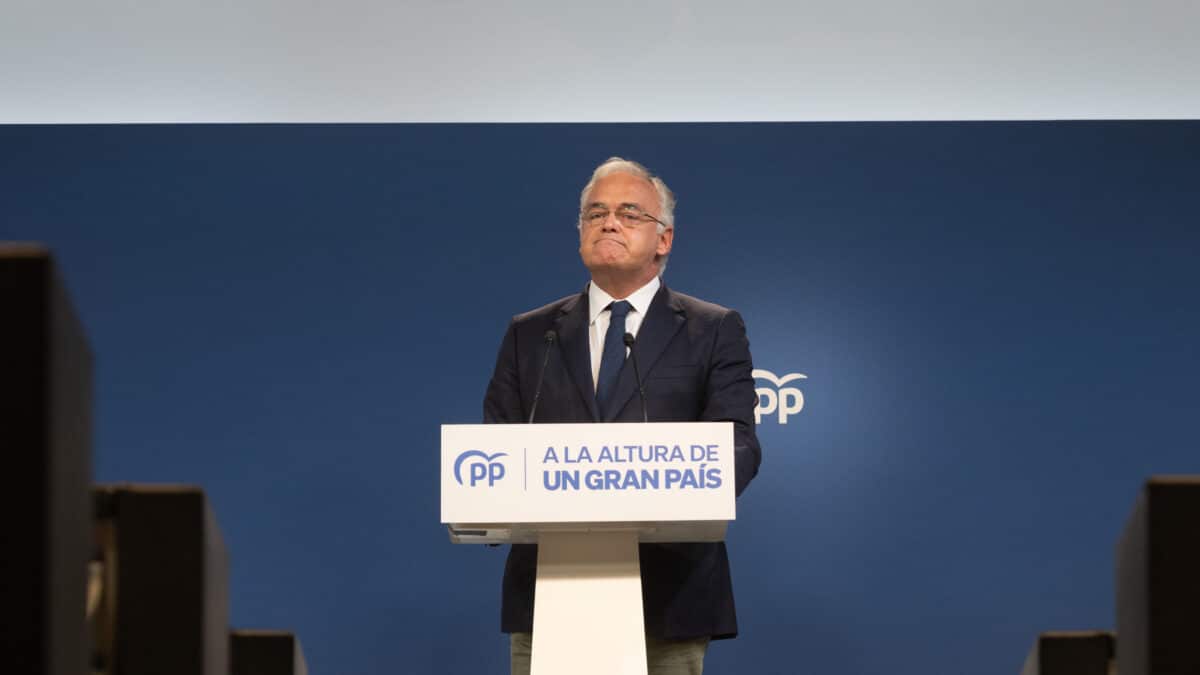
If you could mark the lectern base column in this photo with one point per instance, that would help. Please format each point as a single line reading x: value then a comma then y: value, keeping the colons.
x: 587, y: 612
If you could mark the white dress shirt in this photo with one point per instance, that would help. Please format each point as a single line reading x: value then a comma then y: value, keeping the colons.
x: 599, y: 315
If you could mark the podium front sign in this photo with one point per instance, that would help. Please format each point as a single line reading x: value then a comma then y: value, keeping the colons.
x: 581, y: 473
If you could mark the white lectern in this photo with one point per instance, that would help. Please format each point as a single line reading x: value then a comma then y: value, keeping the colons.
x: 587, y: 494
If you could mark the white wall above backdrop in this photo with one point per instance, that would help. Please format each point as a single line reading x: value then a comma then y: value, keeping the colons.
x: 72, y: 61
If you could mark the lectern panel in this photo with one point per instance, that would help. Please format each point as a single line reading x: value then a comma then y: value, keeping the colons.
x: 1158, y: 581
x: 265, y: 652
x: 45, y: 435
x: 171, y: 588
x: 1070, y: 653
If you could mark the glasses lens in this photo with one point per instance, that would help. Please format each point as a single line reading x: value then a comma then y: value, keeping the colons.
x: 630, y: 217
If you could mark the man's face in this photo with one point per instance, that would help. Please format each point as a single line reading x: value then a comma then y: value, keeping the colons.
x: 608, y: 247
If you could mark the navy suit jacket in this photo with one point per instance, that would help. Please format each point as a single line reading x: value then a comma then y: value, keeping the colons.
x: 695, y: 362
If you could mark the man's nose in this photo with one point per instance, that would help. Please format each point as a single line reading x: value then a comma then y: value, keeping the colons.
x: 611, y: 224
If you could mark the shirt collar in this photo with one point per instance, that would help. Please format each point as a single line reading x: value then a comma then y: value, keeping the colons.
x: 598, y: 300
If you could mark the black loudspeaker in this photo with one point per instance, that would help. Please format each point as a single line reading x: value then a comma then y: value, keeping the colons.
x: 45, y: 442
x: 1070, y: 653
x: 266, y: 652
x: 1158, y: 581
x: 165, y: 604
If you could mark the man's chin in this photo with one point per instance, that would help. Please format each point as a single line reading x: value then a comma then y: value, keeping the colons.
x: 606, y: 263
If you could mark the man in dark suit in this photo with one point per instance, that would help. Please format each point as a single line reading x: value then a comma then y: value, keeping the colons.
x: 695, y: 362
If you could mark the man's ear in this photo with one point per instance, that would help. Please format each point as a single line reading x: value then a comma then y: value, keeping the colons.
x: 665, y: 239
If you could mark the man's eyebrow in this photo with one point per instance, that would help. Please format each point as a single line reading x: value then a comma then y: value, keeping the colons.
x: 624, y: 205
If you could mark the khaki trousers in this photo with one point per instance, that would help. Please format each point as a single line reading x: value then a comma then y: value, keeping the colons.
x: 663, y: 657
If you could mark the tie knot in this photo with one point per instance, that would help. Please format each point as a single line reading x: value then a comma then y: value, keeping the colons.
x: 620, y: 308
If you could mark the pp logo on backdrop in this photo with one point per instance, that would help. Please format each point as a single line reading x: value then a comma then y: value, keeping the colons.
x: 778, y: 399
x: 480, y: 466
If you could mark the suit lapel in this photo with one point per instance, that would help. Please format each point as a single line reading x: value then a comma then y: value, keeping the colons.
x: 663, y: 319
x: 572, y: 328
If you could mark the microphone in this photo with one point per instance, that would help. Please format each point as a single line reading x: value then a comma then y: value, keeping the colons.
x: 637, y: 375
x: 549, y: 339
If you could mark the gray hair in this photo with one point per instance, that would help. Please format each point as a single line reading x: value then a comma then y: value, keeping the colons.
x: 666, y: 198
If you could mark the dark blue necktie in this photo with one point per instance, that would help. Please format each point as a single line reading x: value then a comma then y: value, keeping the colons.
x: 613, y: 356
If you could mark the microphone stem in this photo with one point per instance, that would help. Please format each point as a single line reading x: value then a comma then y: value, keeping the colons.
x: 637, y: 375
x: 537, y: 392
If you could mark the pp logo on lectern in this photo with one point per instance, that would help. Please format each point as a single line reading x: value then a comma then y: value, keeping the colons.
x: 480, y: 466
x: 778, y: 399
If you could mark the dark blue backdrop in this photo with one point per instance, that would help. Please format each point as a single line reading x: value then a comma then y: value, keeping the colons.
x: 998, y: 322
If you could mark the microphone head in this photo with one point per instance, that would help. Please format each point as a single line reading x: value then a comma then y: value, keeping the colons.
x: 629, y: 340
x: 550, y: 336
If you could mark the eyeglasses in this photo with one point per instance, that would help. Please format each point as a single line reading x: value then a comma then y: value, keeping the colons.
x: 627, y: 216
